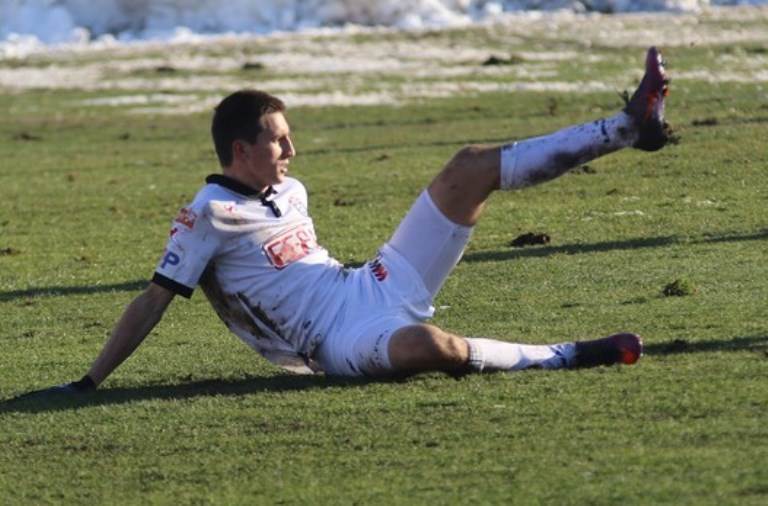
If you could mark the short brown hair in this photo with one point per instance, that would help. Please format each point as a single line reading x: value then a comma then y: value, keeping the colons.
x: 237, y: 117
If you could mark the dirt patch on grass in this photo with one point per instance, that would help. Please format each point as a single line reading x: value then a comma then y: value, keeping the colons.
x: 530, y: 239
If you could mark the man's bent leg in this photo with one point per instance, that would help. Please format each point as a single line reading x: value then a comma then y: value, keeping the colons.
x: 462, y: 187
x: 434, y: 233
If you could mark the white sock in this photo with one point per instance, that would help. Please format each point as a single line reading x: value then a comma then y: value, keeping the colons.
x: 532, y: 161
x: 492, y: 355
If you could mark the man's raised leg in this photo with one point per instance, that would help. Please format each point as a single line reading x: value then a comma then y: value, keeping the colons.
x: 462, y: 187
x: 433, y: 235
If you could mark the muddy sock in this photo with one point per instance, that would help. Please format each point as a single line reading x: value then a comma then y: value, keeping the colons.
x: 532, y: 161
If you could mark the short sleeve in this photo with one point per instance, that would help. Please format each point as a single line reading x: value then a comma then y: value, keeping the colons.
x: 192, y: 244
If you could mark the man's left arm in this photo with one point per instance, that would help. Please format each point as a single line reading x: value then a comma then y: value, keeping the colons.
x: 137, y: 321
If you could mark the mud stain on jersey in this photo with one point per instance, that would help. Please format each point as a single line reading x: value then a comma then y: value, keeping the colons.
x: 259, y: 314
x: 230, y: 309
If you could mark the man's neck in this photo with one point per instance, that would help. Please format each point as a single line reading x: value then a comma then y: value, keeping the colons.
x: 237, y: 177
x: 239, y: 186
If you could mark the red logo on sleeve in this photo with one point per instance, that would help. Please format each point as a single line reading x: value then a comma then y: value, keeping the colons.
x: 290, y: 246
x: 186, y: 217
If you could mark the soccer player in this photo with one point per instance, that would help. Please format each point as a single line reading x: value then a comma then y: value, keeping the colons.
x: 247, y: 239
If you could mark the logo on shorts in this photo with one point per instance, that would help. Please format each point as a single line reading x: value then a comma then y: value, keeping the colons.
x: 378, y: 269
x: 186, y: 217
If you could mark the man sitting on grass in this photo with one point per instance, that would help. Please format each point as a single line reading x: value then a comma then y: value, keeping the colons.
x: 247, y: 239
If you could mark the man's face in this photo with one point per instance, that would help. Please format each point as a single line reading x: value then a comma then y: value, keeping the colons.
x: 265, y: 162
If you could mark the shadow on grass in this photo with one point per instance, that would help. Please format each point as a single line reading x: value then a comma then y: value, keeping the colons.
x: 730, y: 121
x: 596, y: 247
x: 290, y: 382
x: 55, y: 291
x: 180, y: 391
x: 570, y: 249
x: 675, y: 346
x: 763, y: 234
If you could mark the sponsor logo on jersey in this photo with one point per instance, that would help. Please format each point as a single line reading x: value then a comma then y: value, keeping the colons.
x: 290, y: 246
x: 378, y: 269
x: 186, y: 217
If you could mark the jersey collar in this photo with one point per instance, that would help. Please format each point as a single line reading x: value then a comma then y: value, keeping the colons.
x: 238, y: 187
x: 243, y: 189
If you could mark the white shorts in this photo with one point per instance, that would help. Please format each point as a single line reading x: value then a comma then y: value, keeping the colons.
x: 393, y: 290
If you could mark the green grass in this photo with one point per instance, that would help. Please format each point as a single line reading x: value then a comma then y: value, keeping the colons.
x: 196, y: 418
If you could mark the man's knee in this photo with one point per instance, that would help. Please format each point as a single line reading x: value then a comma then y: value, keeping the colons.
x: 426, y: 347
x: 465, y: 159
x: 473, y: 170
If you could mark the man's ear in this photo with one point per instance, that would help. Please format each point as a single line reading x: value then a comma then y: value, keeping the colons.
x: 238, y: 149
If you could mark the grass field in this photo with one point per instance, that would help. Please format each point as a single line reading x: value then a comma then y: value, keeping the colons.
x: 89, y: 188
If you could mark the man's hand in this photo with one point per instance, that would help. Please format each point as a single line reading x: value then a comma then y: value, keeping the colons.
x: 76, y: 389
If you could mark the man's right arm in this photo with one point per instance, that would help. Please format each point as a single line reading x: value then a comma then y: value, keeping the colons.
x: 137, y: 321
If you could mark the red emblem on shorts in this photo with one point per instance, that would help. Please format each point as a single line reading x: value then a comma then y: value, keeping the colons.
x: 186, y: 217
x: 379, y: 271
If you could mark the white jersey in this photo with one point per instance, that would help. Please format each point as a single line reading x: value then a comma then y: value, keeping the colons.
x: 258, y: 261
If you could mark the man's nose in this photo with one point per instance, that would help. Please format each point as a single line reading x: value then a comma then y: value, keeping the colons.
x: 288, y: 150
